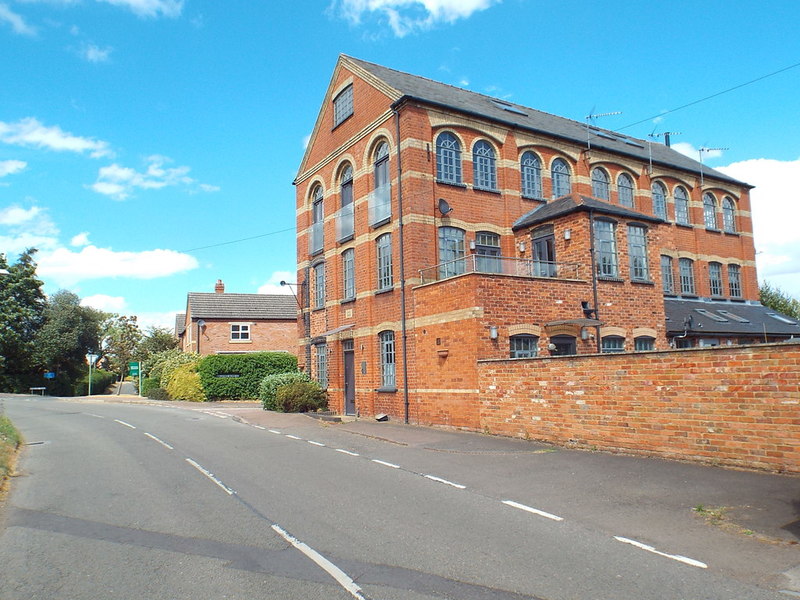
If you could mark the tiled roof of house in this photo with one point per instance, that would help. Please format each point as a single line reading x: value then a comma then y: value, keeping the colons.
x: 214, y: 305
x: 180, y: 324
x: 516, y: 115
x: 721, y: 317
x: 577, y: 203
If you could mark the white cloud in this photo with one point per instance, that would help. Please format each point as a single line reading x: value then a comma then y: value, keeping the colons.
x: 32, y: 133
x: 120, y: 182
x: 408, y: 16
x: 150, y: 8
x: 68, y: 267
x: 157, y: 319
x: 114, y: 304
x: 687, y: 149
x: 775, y: 205
x: 96, y: 54
x: 26, y: 228
x: 16, y: 21
x: 80, y: 240
x: 273, y: 284
x: 9, y: 167
x: 16, y: 215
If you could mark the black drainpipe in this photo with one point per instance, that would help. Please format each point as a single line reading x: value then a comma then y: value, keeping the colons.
x: 402, y: 264
x: 594, y: 280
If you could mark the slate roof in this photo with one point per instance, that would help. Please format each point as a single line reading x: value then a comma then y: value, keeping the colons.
x: 517, y: 115
x: 180, y: 324
x: 577, y: 203
x: 202, y: 305
x: 757, y: 316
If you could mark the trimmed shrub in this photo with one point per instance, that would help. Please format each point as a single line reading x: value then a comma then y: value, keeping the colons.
x: 100, y: 382
x: 149, y: 383
x: 301, y: 396
x: 184, y: 384
x: 172, y: 362
x: 237, y: 376
x: 268, y: 387
x: 158, y: 393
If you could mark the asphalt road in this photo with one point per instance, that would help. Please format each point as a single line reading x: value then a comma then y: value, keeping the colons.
x: 121, y: 501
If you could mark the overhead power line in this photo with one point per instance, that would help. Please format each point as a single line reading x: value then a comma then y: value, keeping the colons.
x: 252, y: 237
x: 736, y: 87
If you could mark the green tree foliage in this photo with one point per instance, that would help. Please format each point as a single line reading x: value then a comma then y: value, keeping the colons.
x: 153, y: 365
x: 777, y: 299
x: 155, y: 341
x: 301, y: 396
x: 69, y: 332
x: 22, y: 305
x: 120, y: 341
x: 184, y: 384
x: 237, y: 376
x: 174, y: 361
x: 269, y: 385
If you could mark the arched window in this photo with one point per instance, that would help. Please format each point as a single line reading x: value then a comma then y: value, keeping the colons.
x: 524, y: 346
x: 531, y: 176
x: 387, y: 354
x: 345, y: 222
x: 381, y: 165
x: 484, y: 167
x: 728, y: 215
x: 380, y: 201
x: 448, y: 158
x: 681, y: 206
x: 667, y: 278
x: 612, y: 343
x: 735, y: 281
x: 319, y: 285
x: 560, y: 174
x: 644, y: 343
x: 659, y: 200
x: 625, y: 190
x: 600, y: 184
x: 346, y: 182
x: 709, y: 211
x: 563, y: 345
x: 451, y: 251
x: 315, y: 240
x: 715, y: 278
x: 349, y: 273
x: 686, y: 268
x: 384, y: 248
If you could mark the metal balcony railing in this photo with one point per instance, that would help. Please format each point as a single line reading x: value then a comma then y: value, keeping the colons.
x: 345, y: 222
x: 379, y: 203
x: 504, y: 265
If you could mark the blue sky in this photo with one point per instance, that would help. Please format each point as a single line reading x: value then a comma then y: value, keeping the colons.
x: 135, y: 133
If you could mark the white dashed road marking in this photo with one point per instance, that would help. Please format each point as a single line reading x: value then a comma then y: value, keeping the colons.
x: 678, y: 557
x: 124, y: 423
x: 293, y: 437
x: 444, y: 481
x: 343, y: 451
x: 211, y: 476
x: 385, y: 464
x: 274, y: 431
x: 316, y: 443
x: 162, y: 442
x: 530, y: 509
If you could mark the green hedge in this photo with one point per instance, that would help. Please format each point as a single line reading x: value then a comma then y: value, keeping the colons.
x: 237, y: 376
x: 301, y: 396
x: 149, y: 383
x: 268, y: 388
x: 100, y: 382
x: 184, y: 384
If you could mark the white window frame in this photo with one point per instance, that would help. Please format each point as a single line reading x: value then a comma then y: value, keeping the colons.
x: 240, y: 332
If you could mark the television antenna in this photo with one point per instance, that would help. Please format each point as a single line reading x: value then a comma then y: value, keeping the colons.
x: 700, y: 154
x: 666, y: 135
x: 590, y: 118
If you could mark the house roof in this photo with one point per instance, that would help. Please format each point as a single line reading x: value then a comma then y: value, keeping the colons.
x: 516, y: 115
x: 180, y: 324
x: 720, y: 317
x: 577, y: 203
x: 213, y: 305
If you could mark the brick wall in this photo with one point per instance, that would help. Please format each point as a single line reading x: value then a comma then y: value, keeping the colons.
x: 735, y: 406
x: 265, y: 336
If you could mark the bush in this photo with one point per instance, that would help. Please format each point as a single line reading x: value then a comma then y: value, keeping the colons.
x: 172, y: 362
x: 301, y: 396
x: 100, y: 382
x: 158, y: 393
x: 268, y: 387
x: 149, y: 383
x: 184, y: 384
x: 153, y: 366
x: 237, y: 376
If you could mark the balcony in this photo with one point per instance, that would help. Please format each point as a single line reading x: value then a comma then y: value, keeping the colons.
x: 345, y: 222
x: 379, y: 204
x: 315, y: 240
x: 502, y: 265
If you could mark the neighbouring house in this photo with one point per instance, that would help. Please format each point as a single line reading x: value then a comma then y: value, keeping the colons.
x: 438, y: 227
x: 225, y: 323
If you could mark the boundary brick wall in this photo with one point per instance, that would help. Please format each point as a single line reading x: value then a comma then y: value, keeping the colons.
x: 734, y: 406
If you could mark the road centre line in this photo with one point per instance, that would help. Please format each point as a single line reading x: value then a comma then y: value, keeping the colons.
x: 259, y: 427
x: 293, y: 437
x: 343, y: 451
x: 385, y: 464
x: 530, y: 509
x: 96, y: 416
x: 274, y: 431
x: 124, y: 423
x: 316, y: 443
x: 445, y: 481
x: 211, y: 476
x: 331, y: 569
x: 162, y: 442
x: 684, y: 559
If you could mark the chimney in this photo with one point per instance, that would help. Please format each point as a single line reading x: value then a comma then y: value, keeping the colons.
x: 219, y: 288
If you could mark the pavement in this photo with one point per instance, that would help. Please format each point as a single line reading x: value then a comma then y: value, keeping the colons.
x: 759, y: 504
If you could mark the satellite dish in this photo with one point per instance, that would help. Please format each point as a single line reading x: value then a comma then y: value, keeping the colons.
x: 201, y: 323
x: 444, y: 207
x: 551, y: 347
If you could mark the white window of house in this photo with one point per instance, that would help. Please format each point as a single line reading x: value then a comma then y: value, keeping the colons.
x: 637, y: 251
x: 487, y: 252
x: 600, y: 184
x: 384, y: 248
x: 319, y: 285
x: 612, y: 343
x: 625, y: 190
x: 686, y: 268
x: 451, y: 251
x: 321, y: 364
x: 659, y: 200
x: 448, y: 158
x: 735, y: 281
x: 644, y: 343
x: 349, y: 273
x: 560, y: 174
x: 531, y: 169
x: 728, y: 215
x: 605, y: 244
x: 715, y: 278
x: 343, y: 105
x: 316, y: 240
x: 240, y: 331
x: 484, y: 167
x: 524, y: 346
x: 667, y: 278
x: 710, y: 211
x: 681, y: 206
x: 387, y: 355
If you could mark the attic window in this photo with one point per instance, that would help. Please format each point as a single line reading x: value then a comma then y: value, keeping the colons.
x: 732, y: 316
x: 632, y: 143
x: 781, y: 318
x: 509, y: 107
x: 343, y: 105
x: 710, y: 315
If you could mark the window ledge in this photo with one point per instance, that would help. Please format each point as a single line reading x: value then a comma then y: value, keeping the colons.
x: 387, y: 390
x: 345, y: 239
x: 342, y: 121
x: 609, y: 278
x: 240, y: 341
x: 347, y: 301
x: 453, y: 183
x: 685, y: 225
x: 317, y: 252
x: 384, y: 291
x: 643, y: 281
x: 533, y: 198
x: 693, y: 296
x: 380, y: 223
x: 317, y: 308
x: 670, y: 295
x: 713, y: 230
x: 736, y: 233
x: 478, y: 188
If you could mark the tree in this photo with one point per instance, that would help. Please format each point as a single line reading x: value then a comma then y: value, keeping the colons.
x: 69, y: 332
x: 22, y: 304
x: 778, y: 300
x: 121, y: 337
x: 157, y: 339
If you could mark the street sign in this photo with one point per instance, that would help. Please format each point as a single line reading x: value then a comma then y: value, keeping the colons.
x: 49, y: 375
x: 133, y: 368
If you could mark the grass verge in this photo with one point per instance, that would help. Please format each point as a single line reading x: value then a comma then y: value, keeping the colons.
x: 10, y: 441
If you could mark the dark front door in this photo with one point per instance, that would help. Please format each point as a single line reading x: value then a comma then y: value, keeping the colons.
x: 349, y: 377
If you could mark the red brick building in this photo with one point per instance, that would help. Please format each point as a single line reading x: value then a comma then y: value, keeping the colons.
x: 438, y: 227
x: 224, y: 323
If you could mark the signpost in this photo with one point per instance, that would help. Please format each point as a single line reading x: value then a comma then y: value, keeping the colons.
x: 135, y: 370
x: 92, y: 358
